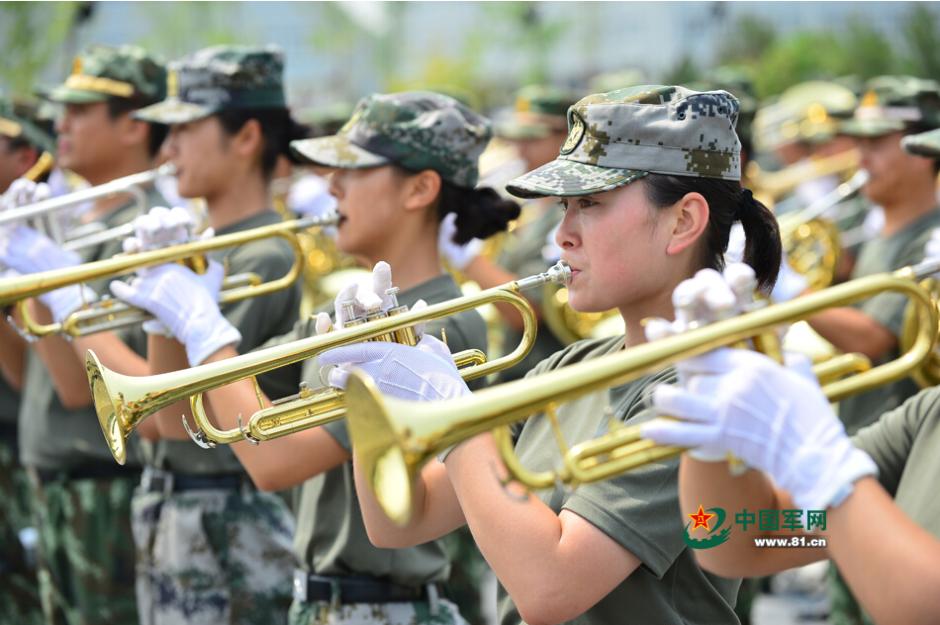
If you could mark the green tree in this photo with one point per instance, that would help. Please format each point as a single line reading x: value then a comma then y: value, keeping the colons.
x: 750, y: 38
x: 923, y: 42
x: 179, y: 28
x: 32, y: 33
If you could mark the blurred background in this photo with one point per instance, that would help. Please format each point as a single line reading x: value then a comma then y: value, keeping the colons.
x: 340, y: 51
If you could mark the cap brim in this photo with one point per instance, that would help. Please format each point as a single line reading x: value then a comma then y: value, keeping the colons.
x: 336, y: 151
x: 925, y: 144
x: 870, y: 127
x: 67, y: 95
x: 569, y: 178
x: 173, y: 111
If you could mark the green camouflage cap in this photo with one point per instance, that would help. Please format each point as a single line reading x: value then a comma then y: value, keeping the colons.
x: 539, y: 110
x: 923, y: 144
x: 20, y: 120
x: 809, y: 112
x: 414, y: 129
x: 103, y: 72
x: 220, y: 78
x: 895, y: 103
x: 615, y: 138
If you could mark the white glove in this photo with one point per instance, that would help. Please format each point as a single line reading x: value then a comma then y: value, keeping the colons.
x: 162, y: 227
x: 26, y: 251
x: 741, y: 402
x: 186, y: 303
x: 458, y: 255
x: 22, y: 192
x: 425, y: 372
x: 310, y: 196
x: 551, y: 251
x: 932, y: 249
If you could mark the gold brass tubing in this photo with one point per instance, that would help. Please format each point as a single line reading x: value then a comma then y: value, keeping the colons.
x: 393, y: 438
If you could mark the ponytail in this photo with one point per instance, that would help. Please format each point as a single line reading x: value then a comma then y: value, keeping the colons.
x: 481, y: 213
x: 728, y: 202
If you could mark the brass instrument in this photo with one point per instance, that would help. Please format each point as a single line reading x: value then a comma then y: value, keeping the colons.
x: 392, y: 438
x: 812, y: 242
x: 770, y: 186
x: 108, y: 314
x: 570, y: 325
x: 122, y: 401
x: 928, y: 374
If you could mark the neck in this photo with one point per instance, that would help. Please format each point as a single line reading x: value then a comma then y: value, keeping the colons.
x: 414, y: 259
x: 242, y: 196
x: 126, y: 165
x: 659, y: 305
x: 918, y: 200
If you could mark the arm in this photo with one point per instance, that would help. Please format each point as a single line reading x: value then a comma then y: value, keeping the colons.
x: 13, y: 364
x: 851, y: 330
x: 554, y: 566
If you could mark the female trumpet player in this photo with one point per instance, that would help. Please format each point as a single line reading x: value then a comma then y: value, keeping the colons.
x: 886, y: 550
x: 402, y: 162
x: 210, y: 547
x: 649, y: 177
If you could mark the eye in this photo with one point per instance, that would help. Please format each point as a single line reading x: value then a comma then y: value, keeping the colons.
x: 586, y: 202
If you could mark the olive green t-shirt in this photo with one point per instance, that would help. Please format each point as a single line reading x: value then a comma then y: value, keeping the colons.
x: 638, y: 509
x: 51, y: 437
x: 905, y: 445
x: 523, y: 257
x: 257, y: 318
x: 331, y: 538
x: 901, y: 249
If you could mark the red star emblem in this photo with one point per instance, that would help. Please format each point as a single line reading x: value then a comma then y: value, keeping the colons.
x: 701, y: 518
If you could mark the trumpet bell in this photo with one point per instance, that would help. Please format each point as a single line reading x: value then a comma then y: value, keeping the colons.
x: 108, y: 408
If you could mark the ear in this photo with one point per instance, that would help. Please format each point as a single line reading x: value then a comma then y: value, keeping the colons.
x: 248, y: 140
x: 422, y: 189
x: 690, y: 219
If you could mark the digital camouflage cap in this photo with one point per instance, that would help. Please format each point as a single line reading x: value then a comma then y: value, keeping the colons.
x: 415, y: 129
x: 103, y: 72
x: 617, y: 137
x: 539, y: 110
x: 19, y: 120
x: 220, y: 78
x: 895, y: 103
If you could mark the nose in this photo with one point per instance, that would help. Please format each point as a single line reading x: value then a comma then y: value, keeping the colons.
x: 568, y: 235
x: 337, y: 178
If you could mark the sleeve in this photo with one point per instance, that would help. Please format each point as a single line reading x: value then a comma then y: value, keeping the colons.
x: 639, y: 509
x: 889, y: 440
x: 258, y: 317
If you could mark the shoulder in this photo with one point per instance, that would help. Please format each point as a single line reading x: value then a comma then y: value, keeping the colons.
x: 578, y: 351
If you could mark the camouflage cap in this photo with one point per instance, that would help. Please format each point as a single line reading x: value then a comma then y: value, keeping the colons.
x: 539, y: 110
x: 220, y: 78
x: 20, y: 120
x: 615, y: 138
x: 414, y: 129
x: 737, y: 82
x: 103, y: 72
x: 895, y: 103
x: 923, y: 144
x: 808, y: 112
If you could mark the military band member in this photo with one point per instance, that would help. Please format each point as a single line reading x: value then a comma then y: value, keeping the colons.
x: 649, y: 177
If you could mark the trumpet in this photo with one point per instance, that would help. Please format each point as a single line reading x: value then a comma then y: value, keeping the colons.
x: 770, y: 186
x: 108, y: 314
x: 392, y: 438
x: 122, y: 401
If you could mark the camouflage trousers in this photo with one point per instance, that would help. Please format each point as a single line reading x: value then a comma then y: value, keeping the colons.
x: 86, y: 554
x: 845, y: 609
x: 19, y: 586
x: 467, y: 572
x: 211, y: 556
x: 413, y: 613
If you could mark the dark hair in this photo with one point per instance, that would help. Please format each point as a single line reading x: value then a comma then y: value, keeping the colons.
x: 916, y: 129
x: 277, y: 127
x: 120, y: 106
x: 728, y: 202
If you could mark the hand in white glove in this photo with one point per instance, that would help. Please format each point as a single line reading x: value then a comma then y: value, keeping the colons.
x: 26, y: 251
x: 163, y: 227
x: 743, y: 403
x: 22, y: 192
x: 425, y: 372
x: 458, y: 255
x: 932, y: 249
x: 186, y: 303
